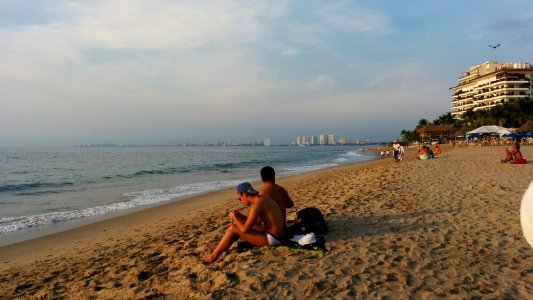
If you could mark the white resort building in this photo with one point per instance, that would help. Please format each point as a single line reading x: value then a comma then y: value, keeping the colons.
x: 491, y: 83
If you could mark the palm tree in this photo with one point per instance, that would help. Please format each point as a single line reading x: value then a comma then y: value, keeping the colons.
x: 445, y: 119
x: 409, y: 136
x: 422, y: 122
x: 468, y: 117
x: 496, y: 115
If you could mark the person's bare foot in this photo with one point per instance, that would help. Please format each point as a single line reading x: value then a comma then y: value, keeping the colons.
x: 208, y: 259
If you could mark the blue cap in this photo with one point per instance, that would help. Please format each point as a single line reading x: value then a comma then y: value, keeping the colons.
x: 247, y: 188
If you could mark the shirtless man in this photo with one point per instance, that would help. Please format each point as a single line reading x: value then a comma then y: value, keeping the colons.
x: 263, y: 223
x: 274, y: 191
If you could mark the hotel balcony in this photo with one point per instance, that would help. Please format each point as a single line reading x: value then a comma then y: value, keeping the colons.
x: 490, y: 102
x: 484, y: 107
x: 463, y: 103
x: 507, y: 91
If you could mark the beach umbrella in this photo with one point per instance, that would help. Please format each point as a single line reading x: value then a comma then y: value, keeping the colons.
x: 527, y: 134
x: 490, y: 129
x: 512, y: 135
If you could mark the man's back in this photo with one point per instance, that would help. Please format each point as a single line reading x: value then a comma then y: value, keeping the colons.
x: 279, y: 195
x: 270, y: 215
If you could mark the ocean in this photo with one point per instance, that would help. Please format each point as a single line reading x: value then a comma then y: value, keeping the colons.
x: 46, y: 190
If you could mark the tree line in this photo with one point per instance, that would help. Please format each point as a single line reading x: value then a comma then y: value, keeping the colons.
x: 510, y: 115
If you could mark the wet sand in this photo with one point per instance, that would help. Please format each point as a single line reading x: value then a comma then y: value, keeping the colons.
x: 442, y: 228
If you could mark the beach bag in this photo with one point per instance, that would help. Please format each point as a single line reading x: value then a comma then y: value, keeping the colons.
x: 308, y: 220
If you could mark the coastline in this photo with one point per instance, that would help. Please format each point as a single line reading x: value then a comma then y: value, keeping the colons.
x: 448, y: 227
x: 47, y: 245
x: 40, y: 206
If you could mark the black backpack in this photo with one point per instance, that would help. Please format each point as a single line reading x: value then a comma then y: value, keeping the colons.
x: 308, y: 220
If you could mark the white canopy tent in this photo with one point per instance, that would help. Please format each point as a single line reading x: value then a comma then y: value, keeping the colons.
x: 490, y: 129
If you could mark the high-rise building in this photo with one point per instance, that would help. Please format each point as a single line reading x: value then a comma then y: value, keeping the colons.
x: 331, y: 139
x: 323, y: 140
x: 491, y: 83
x: 267, y: 142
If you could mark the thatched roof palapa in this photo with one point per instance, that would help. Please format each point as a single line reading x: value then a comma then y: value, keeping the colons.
x: 526, y: 127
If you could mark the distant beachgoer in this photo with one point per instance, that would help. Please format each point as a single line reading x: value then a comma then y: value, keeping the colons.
x: 514, y: 154
x: 275, y: 191
x: 387, y: 152
x: 422, y: 153
x: 437, y: 149
x: 430, y: 152
x: 382, y: 153
x: 260, y: 228
x: 402, y: 153
x: 395, y: 150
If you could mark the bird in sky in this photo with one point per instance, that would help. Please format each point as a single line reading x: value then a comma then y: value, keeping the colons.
x: 494, y: 47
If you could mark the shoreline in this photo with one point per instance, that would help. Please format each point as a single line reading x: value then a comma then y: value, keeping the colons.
x: 93, y: 203
x: 26, y: 248
x: 447, y: 227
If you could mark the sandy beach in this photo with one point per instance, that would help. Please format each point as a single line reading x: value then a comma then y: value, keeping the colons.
x: 442, y: 228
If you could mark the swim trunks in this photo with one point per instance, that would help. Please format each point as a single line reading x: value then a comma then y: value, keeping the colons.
x: 272, y: 240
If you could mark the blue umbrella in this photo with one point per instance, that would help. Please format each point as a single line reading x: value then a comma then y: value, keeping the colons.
x: 473, y: 135
x: 527, y: 134
x: 512, y: 135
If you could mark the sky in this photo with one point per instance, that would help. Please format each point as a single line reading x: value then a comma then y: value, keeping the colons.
x: 163, y: 72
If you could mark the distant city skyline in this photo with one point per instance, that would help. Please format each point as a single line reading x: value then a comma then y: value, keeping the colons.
x: 165, y: 73
x: 329, y: 139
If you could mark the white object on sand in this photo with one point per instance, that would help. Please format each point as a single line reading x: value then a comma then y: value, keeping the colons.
x: 526, y: 214
x: 305, y: 239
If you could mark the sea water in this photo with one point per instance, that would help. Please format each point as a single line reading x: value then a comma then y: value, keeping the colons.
x: 52, y: 189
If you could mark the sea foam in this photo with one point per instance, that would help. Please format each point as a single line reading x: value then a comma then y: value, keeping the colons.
x: 138, y: 199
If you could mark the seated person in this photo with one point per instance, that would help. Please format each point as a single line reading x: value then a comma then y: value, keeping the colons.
x: 274, y: 191
x: 430, y: 152
x: 513, y: 155
x: 422, y: 153
x: 437, y: 149
x: 263, y: 223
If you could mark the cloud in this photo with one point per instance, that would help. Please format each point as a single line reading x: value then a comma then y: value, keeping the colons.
x: 200, y: 69
x: 475, y: 37
x: 321, y: 82
x: 290, y: 52
x: 130, y: 41
x: 140, y: 25
x: 379, y: 79
x: 518, y: 27
x: 324, y: 21
x: 161, y: 24
x: 350, y: 18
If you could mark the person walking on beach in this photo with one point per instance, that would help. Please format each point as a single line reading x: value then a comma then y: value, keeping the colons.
x: 260, y: 228
x: 396, y: 150
x: 275, y: 191
x: 402, y: 153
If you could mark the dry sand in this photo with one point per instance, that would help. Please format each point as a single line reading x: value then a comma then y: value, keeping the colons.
x: 442, y: 228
